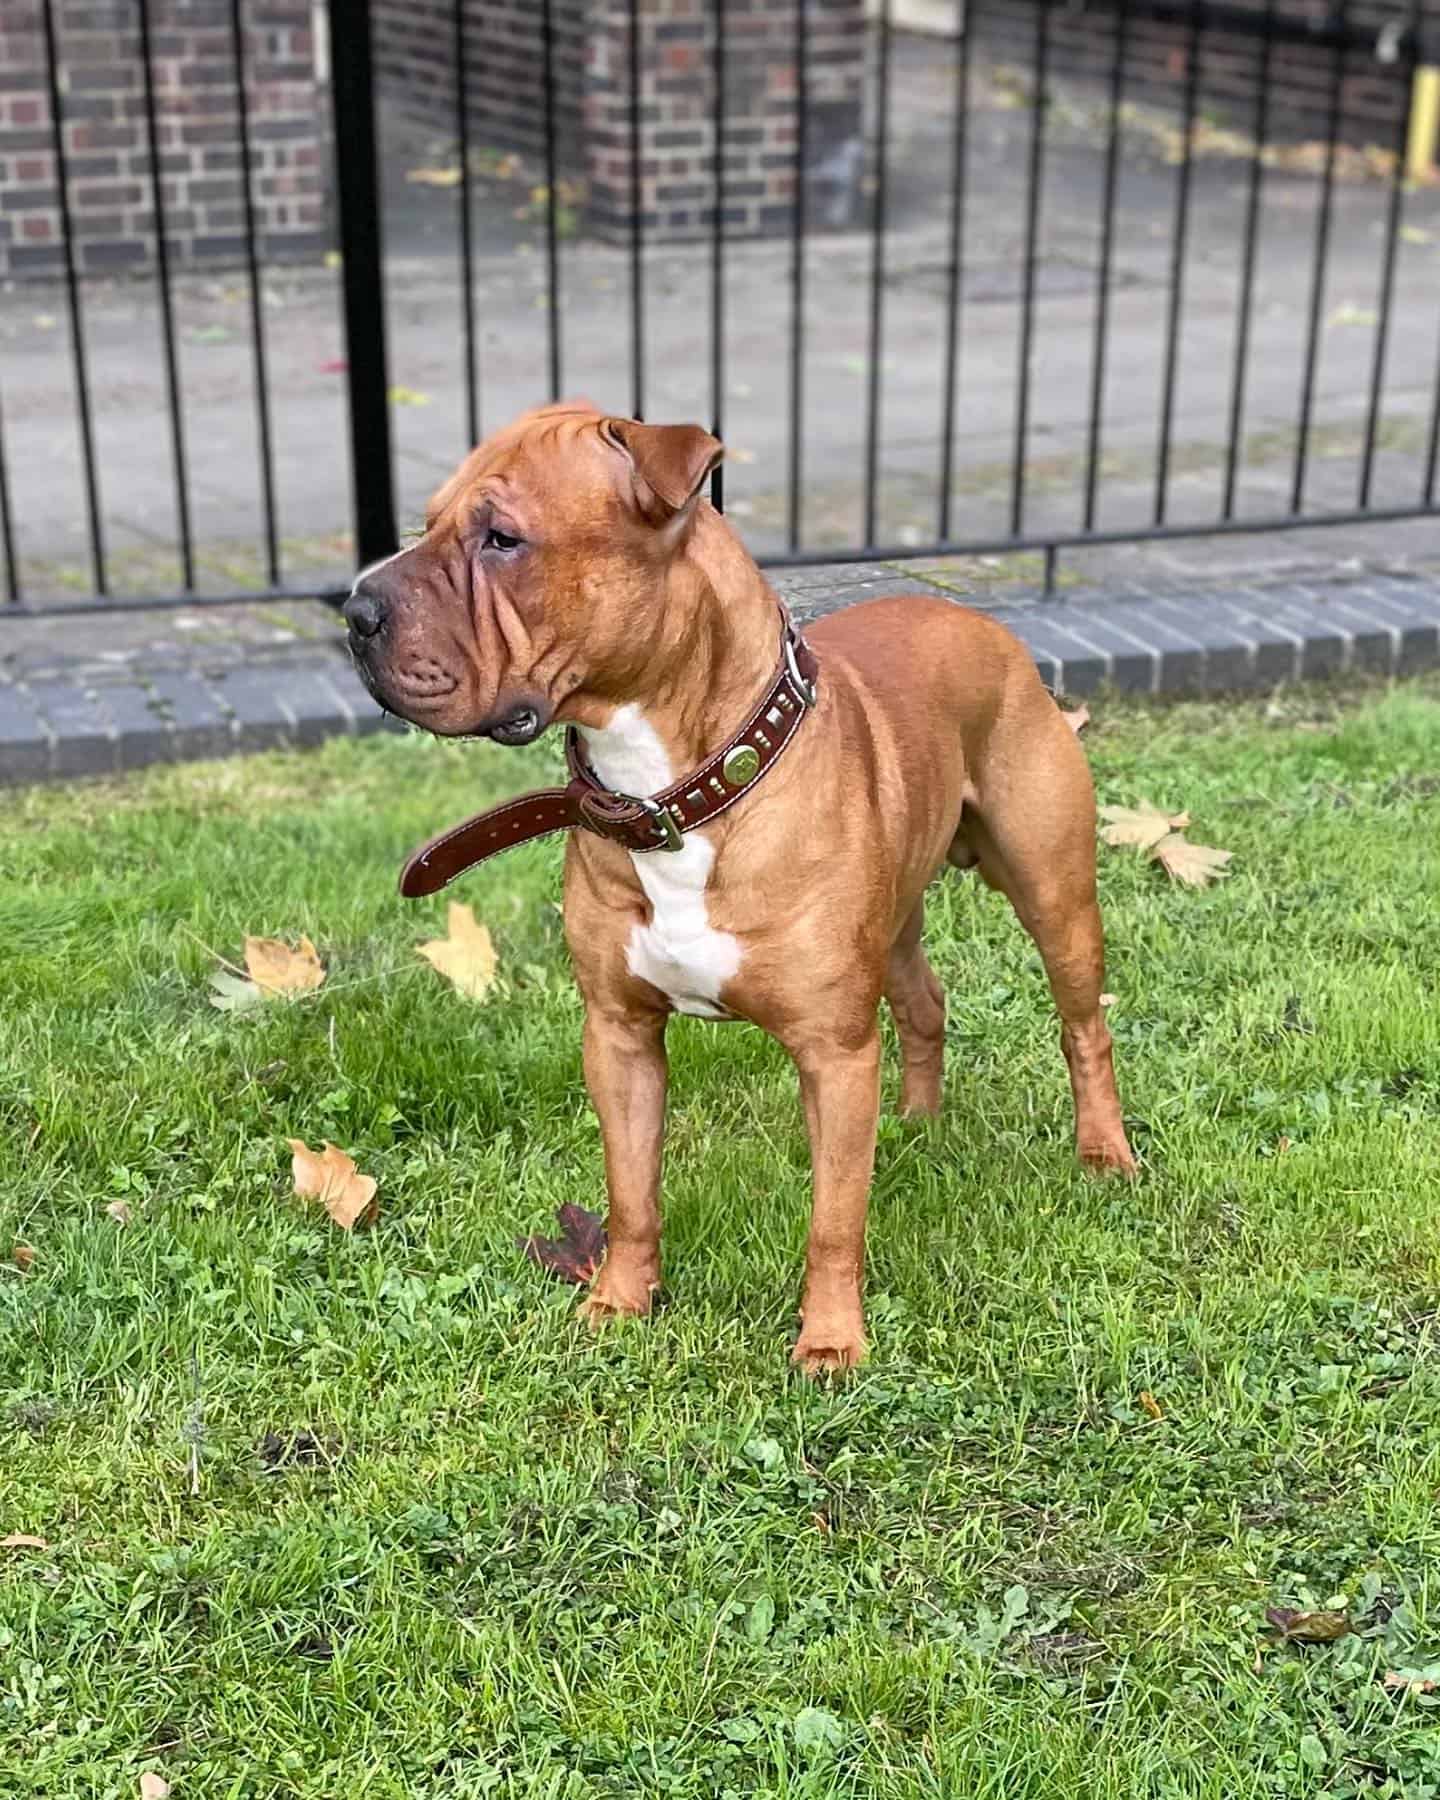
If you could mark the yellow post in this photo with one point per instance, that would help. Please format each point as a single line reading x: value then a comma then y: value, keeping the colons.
x: 1424, y: 124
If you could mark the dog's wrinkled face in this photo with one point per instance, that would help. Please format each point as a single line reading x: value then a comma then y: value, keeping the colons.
x: 539, y: 578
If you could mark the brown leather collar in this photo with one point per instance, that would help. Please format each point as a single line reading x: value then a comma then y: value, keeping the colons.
x: 639, y: 824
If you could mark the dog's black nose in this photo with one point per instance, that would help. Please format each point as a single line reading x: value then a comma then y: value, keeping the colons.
x: 364, y: 613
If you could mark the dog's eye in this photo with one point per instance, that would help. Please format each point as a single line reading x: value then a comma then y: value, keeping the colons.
x: 499, y: 540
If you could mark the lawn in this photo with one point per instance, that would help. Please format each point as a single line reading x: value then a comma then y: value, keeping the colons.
x: 367, y: 1515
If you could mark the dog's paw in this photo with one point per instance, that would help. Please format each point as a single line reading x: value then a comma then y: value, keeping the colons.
x: 1108, y: 1156
x: 617, y: 1294
x: 828, y: 1352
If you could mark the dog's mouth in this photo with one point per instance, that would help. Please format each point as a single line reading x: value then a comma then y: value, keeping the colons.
x: 521, y: 724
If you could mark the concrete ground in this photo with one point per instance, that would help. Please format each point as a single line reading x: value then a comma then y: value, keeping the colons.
x: 306, y: 346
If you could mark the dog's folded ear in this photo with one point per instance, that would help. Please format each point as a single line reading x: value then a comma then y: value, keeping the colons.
x: 671, y: 460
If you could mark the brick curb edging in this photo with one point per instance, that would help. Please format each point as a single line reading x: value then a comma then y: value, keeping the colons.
x: 1238, y: 640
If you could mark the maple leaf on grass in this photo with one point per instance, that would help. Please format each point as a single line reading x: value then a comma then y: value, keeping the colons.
x: 276, y: 968
x: 577, y: 1253
x: 466, y: 957
x: 1192, y: 865
x: 1141, y: 825
x: 330, y: 1176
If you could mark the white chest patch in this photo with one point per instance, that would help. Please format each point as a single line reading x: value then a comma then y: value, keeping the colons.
x: 678, y: 951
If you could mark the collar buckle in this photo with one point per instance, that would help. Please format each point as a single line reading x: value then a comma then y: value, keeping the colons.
x: 670, y: 838
x: 805, y: 688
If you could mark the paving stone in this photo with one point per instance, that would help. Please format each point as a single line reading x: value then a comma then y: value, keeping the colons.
x: 25, y: 741
x: 258, y: 720
x: 313, y: 707
x: 202, y: 726
x: 85, y: 742
x: 144, y: 735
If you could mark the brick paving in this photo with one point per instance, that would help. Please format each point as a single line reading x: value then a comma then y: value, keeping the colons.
x: 97, y: 695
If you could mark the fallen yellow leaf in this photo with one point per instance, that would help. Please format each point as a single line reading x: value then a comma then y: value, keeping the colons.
x: 119, y: 1211
x: 1141, y: 825
x: 153, y: 1786
x: 330, y: 1176
x: 277, y: 969
x: 23, y: 1257
x: 21, y: 1540
x: 1150, y: 1405
x: 441, y: 178
x: 466, y: 957
x: 1192, y: 865
x: 1416, y: 234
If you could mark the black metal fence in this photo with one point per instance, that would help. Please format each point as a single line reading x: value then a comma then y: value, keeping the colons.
x: 1018, y: 522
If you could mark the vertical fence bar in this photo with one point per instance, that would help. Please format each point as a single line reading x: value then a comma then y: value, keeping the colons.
x: 1177, y: 260
x: 467, y: 249
x: 717, y: 260
x: 797, y: 277
x: 552, y: 235
x: 877, y: 273
x: 1107, y: 251
x: 1246, y: 305
x: 1432, y: 455
x: 1032, y: 239
x: 637, y: 228
x: 1387, y: 274
x: 965, y: 11
x: 167, y: 309
x: 7, y: 527
x: 1317, y: 278
x: 77, y: 313
x: 259, y: 371
x: 357, y: 184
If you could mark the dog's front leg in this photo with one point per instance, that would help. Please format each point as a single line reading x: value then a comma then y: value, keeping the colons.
x: 840, y: 1086
x: 625, y: 1071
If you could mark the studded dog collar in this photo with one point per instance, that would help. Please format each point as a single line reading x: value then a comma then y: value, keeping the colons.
x: 639, y: 823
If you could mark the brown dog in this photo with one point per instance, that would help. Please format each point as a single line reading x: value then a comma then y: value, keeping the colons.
x: 570, y: 572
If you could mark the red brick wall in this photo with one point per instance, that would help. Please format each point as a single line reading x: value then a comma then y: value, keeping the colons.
x: 415, y: 62
x: 677, y: 95
x: 107, y: 154
x: 415, y: 68
x: 1375, y: 98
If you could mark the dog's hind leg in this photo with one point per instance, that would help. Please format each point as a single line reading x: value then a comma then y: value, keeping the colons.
x: 917, y: 1004
x: 1033, y: 834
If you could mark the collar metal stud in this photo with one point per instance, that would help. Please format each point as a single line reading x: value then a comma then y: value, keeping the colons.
x: 742, y: 764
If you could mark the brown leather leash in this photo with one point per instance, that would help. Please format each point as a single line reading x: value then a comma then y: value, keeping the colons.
x: 639, y: 823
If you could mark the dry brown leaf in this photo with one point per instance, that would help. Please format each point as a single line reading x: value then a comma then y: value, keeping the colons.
x: 119, y: 1211
x: 330, y: 1176
x: 1307, y: 1627
x: 277, y: 969
x: 1077, y: 720
x: 1409, y: 1684
x: 1150, y: 1404
x: 1141, y: 825
x: 20, y: 1540
x: 466, y: 958
x: 1192, y: 865
x: 153, y: 1786
x: 23, y: 1257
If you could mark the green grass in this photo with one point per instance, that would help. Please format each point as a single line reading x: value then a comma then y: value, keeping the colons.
x: 512, y: 1560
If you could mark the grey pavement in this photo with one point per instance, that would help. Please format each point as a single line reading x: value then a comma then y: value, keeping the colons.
x: 95, y: 696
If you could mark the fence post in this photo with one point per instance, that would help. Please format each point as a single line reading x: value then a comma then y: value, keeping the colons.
x: 353, y: 95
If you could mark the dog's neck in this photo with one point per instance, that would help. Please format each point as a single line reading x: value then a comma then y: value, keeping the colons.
x: 714, y: 655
